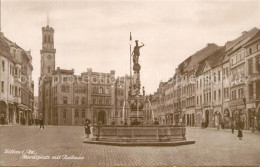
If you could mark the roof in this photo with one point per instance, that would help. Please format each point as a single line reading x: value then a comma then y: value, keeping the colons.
x: 213, y: 60
x: 194, y: 59
x: 241, y: 40
x: 216, y: 58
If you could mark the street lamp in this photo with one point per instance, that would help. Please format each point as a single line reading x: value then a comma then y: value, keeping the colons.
x: 253, y: 118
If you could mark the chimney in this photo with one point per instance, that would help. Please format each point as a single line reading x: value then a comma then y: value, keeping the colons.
x: 113, y: 72
x: 244, y: 32
x: 208, y: 44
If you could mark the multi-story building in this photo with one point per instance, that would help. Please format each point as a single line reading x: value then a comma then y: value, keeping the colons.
x: 244, y: 53
x: 35, y: 113
x: 209, y: 89
x: 16, y: 97
x: 68, y: 99
x: 185, y: 82
x: 253, y: 83
x: 218, y: 85
x: 168, y: 87
x: 158, y: 103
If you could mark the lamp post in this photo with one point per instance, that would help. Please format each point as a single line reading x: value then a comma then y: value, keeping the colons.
x: 244, y: 100
x: 253, y: 117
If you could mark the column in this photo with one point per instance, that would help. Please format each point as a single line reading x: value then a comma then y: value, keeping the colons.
x: 14, y: 115
x: 7, y: 114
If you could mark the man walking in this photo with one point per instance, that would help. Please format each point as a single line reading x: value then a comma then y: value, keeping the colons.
x: 232, y: 127
x: 41, y: 121
x: 2, y: 119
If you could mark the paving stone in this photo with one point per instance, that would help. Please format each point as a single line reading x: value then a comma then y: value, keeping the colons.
x: 212, y: 147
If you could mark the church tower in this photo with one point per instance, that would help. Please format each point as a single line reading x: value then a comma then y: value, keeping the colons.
x: 47, y: 51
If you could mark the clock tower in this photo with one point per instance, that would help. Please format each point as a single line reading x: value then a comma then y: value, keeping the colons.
x: 47, y: 52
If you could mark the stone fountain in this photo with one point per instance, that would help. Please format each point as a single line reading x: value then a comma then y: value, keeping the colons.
x: 138, y: 134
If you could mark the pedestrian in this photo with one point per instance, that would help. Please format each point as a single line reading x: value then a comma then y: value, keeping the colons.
x: 155, y: 121
x: 2, y: 118
x: 232, y: 127
x: 240, y: 134
x: 87, y: 128
x: 222, y: 125
x: 41, y: 121
x: 125, y: 123
x: 240, y: 126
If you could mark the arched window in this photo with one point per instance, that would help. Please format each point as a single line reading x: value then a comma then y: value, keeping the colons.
x: 45, y: 40
x: 49, y: 40
x: 49, y: 69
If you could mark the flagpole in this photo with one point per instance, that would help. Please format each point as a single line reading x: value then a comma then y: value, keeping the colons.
x: 130, y: 63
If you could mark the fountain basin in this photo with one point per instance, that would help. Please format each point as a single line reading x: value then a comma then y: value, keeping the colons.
x: 146, y: 135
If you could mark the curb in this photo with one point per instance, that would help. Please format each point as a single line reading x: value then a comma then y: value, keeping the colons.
x: 227, y: 130
x: 179, y: 143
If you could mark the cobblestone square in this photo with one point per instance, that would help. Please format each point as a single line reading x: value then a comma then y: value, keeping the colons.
x: 212, y: 147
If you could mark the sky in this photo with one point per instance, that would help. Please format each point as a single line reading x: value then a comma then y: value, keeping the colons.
x: 95, y: 34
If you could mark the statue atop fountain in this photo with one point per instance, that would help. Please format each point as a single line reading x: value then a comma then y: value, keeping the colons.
x: 136, y: 101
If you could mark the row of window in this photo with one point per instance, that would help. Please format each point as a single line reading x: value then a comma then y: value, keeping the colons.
x: 101, y: 90
x: 251, y: 65
x: 77, y: 113
x: 48, y: 38
x: 14, y: 90
x: 83, y: 114
x: 102, y: 101
x: 87, y: 79
x: 14, y: 71
x: 237, y: 94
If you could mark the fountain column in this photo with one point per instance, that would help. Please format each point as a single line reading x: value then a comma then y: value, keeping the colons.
x: 136, y: 101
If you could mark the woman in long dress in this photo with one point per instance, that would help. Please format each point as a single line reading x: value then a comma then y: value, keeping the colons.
x: 87, y: 128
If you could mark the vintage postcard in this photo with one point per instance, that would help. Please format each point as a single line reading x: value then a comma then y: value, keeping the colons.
x: 129, y: 83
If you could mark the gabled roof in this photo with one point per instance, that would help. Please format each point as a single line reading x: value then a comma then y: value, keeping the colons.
x: 241, y: 40
x: 216, y: 58
x: 194, y: 59
x: 200, y: 68
x: 212, y: 60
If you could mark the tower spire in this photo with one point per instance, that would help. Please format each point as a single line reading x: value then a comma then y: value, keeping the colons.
x: 48, y: 17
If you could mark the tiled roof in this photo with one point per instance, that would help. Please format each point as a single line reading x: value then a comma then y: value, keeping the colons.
x: 200, y: 68
x: 241, y: 40
x: 216, y: 58
x: 213, y: 60
x: 194, y: 59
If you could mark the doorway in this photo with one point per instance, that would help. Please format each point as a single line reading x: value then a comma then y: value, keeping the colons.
x: 102, y: 117
x: 206, y: 118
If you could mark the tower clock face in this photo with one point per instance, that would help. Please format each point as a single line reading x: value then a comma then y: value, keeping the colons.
x: 49, y: 57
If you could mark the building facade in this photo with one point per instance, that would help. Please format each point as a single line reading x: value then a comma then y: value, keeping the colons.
x: 16, y: 97
x: 69, y: 99
x: 217, y: 85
